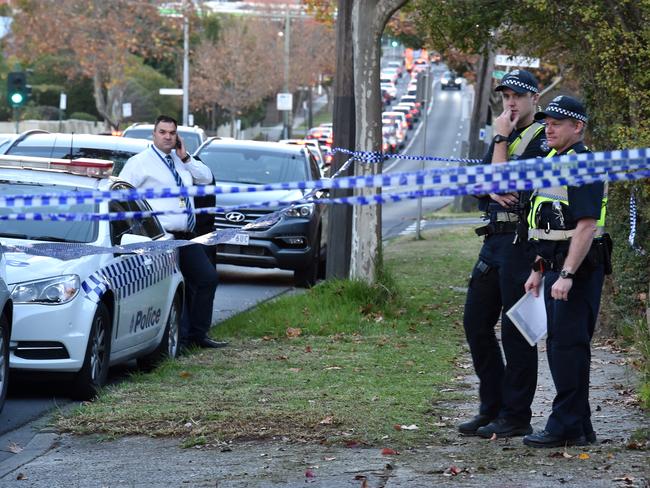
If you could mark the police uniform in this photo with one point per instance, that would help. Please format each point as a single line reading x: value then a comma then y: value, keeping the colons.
x: 506, y: 390
x: 554, y: 213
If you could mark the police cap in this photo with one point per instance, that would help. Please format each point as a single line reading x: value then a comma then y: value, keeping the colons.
x: 564, y: 107
x: 520, y: 81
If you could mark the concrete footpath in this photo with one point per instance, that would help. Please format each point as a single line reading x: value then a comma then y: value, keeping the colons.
x: 53, y: 460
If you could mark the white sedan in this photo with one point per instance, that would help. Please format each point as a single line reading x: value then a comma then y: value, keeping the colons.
x: 82, y: 315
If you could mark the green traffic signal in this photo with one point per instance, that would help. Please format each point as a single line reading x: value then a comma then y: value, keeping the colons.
x: 18, y: 90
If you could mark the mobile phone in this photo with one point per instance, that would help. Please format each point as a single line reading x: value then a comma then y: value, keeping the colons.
x: 178, y: 143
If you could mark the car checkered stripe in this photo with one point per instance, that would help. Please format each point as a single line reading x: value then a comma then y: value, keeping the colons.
x: 130, y: 275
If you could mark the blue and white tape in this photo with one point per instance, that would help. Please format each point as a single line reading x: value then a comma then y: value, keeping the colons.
x: 530, y: 169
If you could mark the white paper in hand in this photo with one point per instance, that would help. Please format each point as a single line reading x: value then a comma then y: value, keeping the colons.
x: 529, y: 315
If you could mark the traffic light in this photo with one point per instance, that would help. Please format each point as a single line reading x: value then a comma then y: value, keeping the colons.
x: 18, y: 91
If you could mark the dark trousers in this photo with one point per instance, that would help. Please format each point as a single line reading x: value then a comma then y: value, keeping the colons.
x: 201, y: 281
x: 570, y: 329
x: 506, y: 388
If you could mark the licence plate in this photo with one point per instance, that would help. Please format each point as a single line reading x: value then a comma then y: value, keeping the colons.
x: 241, y: 239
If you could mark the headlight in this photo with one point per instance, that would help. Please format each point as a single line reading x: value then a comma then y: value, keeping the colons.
x: 459, y: 81
x: 444, y: 81
x: 300, y: 210
x: 51, y: 291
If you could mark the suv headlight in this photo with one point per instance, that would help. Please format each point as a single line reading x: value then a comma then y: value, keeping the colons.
x: 50, y: 291
x: 304, y: 210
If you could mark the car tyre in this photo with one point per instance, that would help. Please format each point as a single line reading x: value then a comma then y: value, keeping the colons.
x: 4, y: 360
x: 169, y: 344
x: 94, y: 372
x: 306, y: 278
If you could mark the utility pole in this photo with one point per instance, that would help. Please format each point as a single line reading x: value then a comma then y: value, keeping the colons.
x: 186, y: 62
x: 340, y: 216
x: 286, y: 114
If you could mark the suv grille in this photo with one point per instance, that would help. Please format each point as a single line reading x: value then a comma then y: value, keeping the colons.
x: 249, y: 214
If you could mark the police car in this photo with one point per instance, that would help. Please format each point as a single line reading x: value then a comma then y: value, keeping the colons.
x: 6, y: 313
x: 82, y: 315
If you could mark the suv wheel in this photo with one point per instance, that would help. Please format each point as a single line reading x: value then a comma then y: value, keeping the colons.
x: 307, y: 277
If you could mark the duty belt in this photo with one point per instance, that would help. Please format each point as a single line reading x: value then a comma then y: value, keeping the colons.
x: 556, y: 235
x: 497, y: 228
x: 507, y: 217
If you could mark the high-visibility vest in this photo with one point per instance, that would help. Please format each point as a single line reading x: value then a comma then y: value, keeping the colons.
x: 558, y: 194
x: 516, y: 148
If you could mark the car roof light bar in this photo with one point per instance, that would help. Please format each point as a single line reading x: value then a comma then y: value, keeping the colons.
x: 95, y: 168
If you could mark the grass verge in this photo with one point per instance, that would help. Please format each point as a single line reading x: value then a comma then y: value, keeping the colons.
x: 343, y: 362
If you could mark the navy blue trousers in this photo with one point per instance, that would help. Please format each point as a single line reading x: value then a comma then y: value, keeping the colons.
x: 506, y: 388
x: 570, y: 329
x: 201, y: 281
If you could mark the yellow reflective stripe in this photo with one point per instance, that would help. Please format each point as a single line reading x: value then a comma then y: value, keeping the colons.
x: 513, y: 145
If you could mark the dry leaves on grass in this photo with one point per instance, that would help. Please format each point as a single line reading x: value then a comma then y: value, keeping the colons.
x: 387, y: 451
x: 293, y: 332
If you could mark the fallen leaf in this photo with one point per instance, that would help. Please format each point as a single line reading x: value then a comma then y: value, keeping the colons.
x: 494, y: 437
x: 397, y: 427
x: 295, y: 370
x: 267, y: 338
x: 364, y: 483
x: 332, y: 367
x: 452, y: 471
x: 308, y: 349
x: 21, y: 476
x: 583, y: 455
x: 327, y: 420
x: 310, y: 474
x: 293, y: 332
x: 329, y: 458
x: 282, y: 358
x: 15, y: 448
x: 409, y: 427
x: 387, y: 451
x: 440, y: 424
x: 184, y: 374
x: 566, y: 455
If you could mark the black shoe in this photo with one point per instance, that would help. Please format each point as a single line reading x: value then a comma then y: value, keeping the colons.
x: 502, y: 427
x: 546, y: 439
x: 591, y: 438
x: 208, y: 343
x: 469, y: 427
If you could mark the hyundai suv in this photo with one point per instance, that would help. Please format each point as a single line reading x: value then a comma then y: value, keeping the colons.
x: 280, y: 236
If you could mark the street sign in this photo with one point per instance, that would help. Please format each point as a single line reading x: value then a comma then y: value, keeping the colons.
x: 126, y: 109
x: 285, y: 101
x: 63, y: 101
x: 520, y: 61
x: 171, y: 91
x: 496, y: 74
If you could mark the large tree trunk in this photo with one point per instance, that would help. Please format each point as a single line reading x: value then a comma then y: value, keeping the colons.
x: 481, y: 102
x: 369, y: 18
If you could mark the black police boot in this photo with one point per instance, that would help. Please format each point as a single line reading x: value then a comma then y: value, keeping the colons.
x: 469, y: 427
x: 546, y: 439
x: 503, y: 427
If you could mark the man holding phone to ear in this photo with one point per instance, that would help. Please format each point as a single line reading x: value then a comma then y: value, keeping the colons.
x: 167, y: 164
x: 506, y: 389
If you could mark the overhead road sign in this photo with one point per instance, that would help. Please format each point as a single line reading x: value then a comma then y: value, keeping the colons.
x: 520, y: 61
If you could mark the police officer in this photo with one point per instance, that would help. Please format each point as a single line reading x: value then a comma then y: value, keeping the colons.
x: 566, y: 226
x: 506, y: 391
x: 167, y: 164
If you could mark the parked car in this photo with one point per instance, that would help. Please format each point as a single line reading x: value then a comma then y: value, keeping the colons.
x: 82, y: 315
x: 400, y: 117
x: 321, y: 133
x: 400, y: 132
x: 193, y: 137
x: 292, y: 239
x: 450, y: 80
x: 314, y: 147
x: 74, y: 146
x: 6, y: 320
x: 410, y: 119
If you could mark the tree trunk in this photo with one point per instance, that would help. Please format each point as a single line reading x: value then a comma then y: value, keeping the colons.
x: 481, y: 102
x: 368, y: 20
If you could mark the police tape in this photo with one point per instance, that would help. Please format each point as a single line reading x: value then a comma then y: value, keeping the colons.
x: 459, y: 189
x: 539, y: 169
x: 377, y: 157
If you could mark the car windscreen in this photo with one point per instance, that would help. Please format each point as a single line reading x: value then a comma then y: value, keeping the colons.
x: 253, y: 166
x: 192, y: 140
x: 46, y: 230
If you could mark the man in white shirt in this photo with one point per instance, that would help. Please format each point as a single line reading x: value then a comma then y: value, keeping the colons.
x: 167, y: 164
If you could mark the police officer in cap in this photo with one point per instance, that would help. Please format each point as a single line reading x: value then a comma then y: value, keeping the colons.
x: 573, y: 254
x: 507, y: 389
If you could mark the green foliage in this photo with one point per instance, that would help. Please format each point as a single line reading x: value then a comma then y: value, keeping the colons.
x: 82, y: 116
